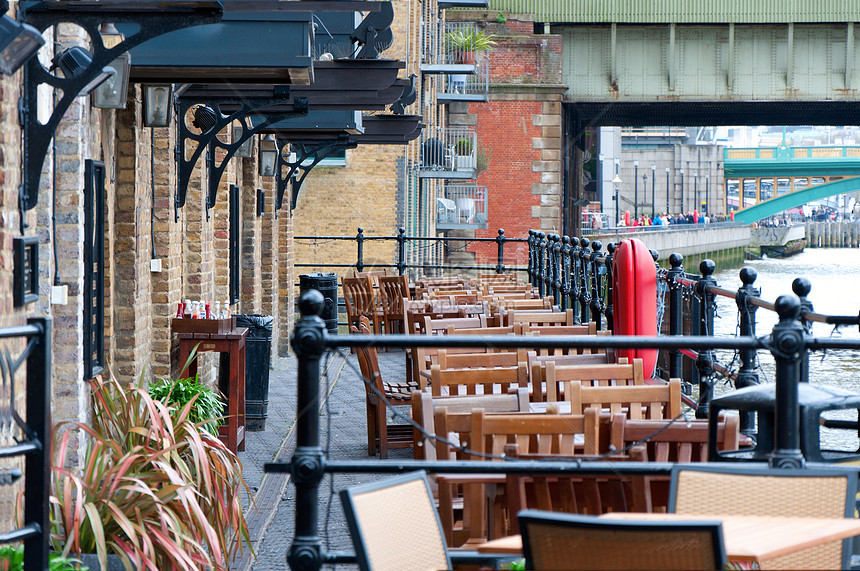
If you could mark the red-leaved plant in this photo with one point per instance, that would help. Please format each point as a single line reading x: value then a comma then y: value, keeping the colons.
x: 154, y: 488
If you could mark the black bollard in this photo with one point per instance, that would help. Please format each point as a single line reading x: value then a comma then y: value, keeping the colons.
x: 556, y: 269
x: 584, y: 291
x: 676, y: 313
x: 788, y: 347
x: 565, y: 272
x: 609, y: 311
x: 705, y: 360
x: 574, y: 278
x: 747, y: 375
x: 531, y: 268
x: 306, y: 466
x: 596, y: 299
x: 801, y: 288
x: 541, y: 263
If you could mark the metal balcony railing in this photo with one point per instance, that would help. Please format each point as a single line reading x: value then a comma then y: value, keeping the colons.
x: 461, y: 207
x: 463, y: 86
x: 448, y: 153
x: 445, y: 47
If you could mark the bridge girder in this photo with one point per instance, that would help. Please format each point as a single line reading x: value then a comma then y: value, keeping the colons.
x: 797, y: 198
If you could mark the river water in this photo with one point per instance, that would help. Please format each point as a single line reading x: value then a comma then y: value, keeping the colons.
x: 835, y: 278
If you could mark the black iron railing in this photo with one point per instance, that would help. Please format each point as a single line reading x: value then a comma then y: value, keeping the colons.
x: 401, y: 265
x: 32, y: 437
x: 788, y: 343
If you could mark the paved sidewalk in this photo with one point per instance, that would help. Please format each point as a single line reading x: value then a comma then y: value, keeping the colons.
x: 271, y: 520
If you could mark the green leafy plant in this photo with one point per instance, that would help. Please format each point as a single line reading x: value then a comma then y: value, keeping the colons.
x: 206, y: 406
x: 463, y: 147
x: 468, y: 39
x: 12, y: 559
x: 152, y: 486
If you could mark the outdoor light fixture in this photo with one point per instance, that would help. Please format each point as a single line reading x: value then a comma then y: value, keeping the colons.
x: 74, y: 61
x: 156, y: 105
x: 268, y: 156
x: 112, y: 94
x: 204, y: 118
x: 244, y: 151
x: 18, y: 42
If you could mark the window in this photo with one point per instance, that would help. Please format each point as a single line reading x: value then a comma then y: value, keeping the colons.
x: 336, y: 159
x: 94, y: 267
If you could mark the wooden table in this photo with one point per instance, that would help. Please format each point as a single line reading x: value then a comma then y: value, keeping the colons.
x: 232, y: 345
x: 747, y: 538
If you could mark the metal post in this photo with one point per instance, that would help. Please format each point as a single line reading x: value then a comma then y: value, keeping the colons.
x: 707, y: 202
x: 788, y: 347
x: 801, y: 288
x: 584, y: 297
x: 676, y: 313
x: 682, y: 191
x: 705, y: 360
x: 359, y: 238
x: 401, y: 251
x: 556, y: 269
x: 37, y: 467
x: 574, y: 277
x: 531, y: 243
x: 565, y: 272
x: 636, y: 188
x: 500, y: 252
x: 668, y: 212
x: 610, y: 311
x: 306, y: 466
x: 541, y: 265
x: 547, y: 274
x: 653, y: 180
x: 747, y: 375
x: 696, y: 191
x: 596, y: 301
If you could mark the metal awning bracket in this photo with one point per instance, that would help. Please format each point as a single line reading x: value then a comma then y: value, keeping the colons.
x: 315, y: 152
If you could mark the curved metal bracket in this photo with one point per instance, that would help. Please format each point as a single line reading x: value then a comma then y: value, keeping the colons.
x: 89, y: 16
x: 315, y: 151
x: 209, y: 139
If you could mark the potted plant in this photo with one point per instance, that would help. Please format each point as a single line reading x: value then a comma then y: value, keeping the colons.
x: 462, y: 42
x: 153, y: 486
x: 206, y: 405
x: 463, y: 159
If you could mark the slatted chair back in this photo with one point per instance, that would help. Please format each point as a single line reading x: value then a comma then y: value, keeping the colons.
x: 619, y: 374
x: 381, y: 436
x: 360, y: 301
x: 720, y: 489
x: 556, y: 541
x: 441, y: 280
x: 638, y: 402
x: 538, y: 318
x: 480, y: 360
x: 440, y: 326
x: 425, y: 405
x: 589, y: 328
x: 477, y: 381
x: 573, y: 493
x: 522, y: 304
x: 380, y: 512
x: 496, y: 277
x: 535, y: 433
x: 393, y: 291
x: 537, y: 367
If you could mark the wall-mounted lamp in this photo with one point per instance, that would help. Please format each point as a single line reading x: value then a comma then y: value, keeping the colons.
x: 156, y: 105
x: 245, y: 150
x: 112, y: 94
x: 268, y: 156
x: 74, y: 61
x: 18, y: 42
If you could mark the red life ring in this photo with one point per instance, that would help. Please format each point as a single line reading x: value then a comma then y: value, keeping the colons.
x: 627, y: 218
x: 634, y: 298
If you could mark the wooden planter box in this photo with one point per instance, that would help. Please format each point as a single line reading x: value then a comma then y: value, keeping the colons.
x: 212, y: 326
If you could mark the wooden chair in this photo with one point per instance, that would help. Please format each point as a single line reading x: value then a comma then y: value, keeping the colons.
x: 360, y: 301
x: 654, y: 402
x: 720, y: 489
x: 556, y: 541
x: 440, y: 326
x: 523, y: 304
x: 619, y: 374
x: 379, y: 513
x: 681, y: 442
x: 380, y: 435
x: 537, y: 365
x: 539, y: 318
x: 393, y: 291
x: 477, y: 381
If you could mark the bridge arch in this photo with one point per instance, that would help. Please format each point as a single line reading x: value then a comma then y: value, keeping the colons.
x: 797, y: 198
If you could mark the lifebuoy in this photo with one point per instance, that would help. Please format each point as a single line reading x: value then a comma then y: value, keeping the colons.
x: 634, y: 298
x: 627, y: 218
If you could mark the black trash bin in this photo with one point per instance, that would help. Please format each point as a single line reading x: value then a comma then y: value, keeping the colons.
x: 258, y: 352
x: 326, y: 283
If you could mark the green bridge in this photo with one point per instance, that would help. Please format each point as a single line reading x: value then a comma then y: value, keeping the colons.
x: 762, y: 182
